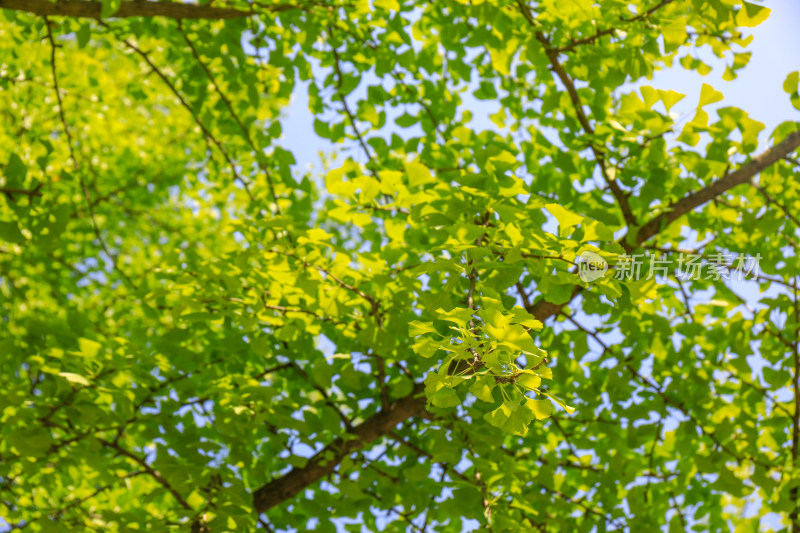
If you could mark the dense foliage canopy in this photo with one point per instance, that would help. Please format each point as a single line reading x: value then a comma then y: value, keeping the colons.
x: 199, y: 334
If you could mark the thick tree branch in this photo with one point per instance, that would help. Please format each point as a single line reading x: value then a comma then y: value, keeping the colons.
x: 24, y: 192
x: 324, y: 463
x: 383, y: 422
x: 569, y: 84
x: 88, y: 9
x: 543, y: 309
x: 744, y: 174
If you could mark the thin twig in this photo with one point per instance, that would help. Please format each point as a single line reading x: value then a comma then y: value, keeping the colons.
x: 84, y: 188
x: 233, y: 113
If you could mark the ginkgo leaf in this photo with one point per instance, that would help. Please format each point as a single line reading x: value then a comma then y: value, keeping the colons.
x: 416, y: 328
x: 529, y: 381
x: 445, y: 397
x: 263, y: 262
x: 541, y: 408
x: 751, y: 15
x: 482, y: 389
x: 566, y: 218
x: 75, y: 378
x: 709, y: 95
x: 418, y: 174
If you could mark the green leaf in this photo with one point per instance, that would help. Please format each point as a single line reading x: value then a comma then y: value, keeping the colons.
x: 9, y: 232
x: 418, y: 174
x: 390, y: 5
x: 670, y: 98
x: 529, y: 380
x: 322, y: 373
x: 560, y: 402
x: 482, y: 389
x: 709, y: 95
x: 751, y: 15
x: 15, y: 171
x: 322, y: 129
x: 406, y: 121
x: 74, y: 378
x: 426, y: 347
x: 416, y: 328
x: 790, y: 85
x: 31, y: 442
x: 83, y: 35
x: 109, y: 8
x: 89, y: 348
x: 541, y: 408
x: 499, y: 416
x: 458, y: 315
x: 445, y: 397
x: 511, y: 417
x: 524, y: 318
x: 566, y: 218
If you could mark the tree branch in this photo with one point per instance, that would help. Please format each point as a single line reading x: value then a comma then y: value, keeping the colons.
x: 742, y: 175
x: 351, y: 117
x: 324, y: 463
x: 25, y: 192
x: 566, y: 80
x: 234, y: 115
x: 155, y: 474
x: 206, y: 132
x: 543, y: 309
x: 574, y: 43
x: 382, y: 423
x: 88, y: 9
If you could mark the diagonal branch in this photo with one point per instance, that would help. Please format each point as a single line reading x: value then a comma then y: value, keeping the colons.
x: 155, y: 474
x: 141, y: 8
x: 771, y: 200
x: 743, y: 174
x: 206, y: 132
x: 543, y: 309
x: 233, y: 113
x: 351, y: 117
x: 324, y: 463
x: 381, y: 424
x: 70, y: 144
x: 567, y: 81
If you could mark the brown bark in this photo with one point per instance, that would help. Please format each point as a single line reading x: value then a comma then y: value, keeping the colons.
x: 543, y: 309
x: 742, y: 175
x: 324, y: 463
x: 90, y: 9
x: 382, y: 423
